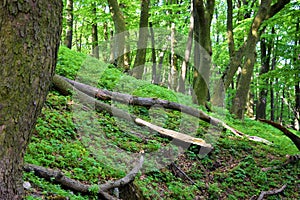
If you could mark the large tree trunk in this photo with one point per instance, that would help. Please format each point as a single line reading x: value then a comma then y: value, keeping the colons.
x: 29, y: 38
x: 265, y: 11
x: 140, y: 58
x: 119, y: 55
x: 203, y: 12
x: 69, y: 32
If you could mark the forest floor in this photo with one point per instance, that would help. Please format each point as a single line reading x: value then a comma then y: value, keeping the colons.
x: 95, y: 147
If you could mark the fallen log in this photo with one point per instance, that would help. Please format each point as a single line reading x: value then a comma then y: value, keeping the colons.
x: 65, y: 88
x: 148, y: 102
x: 295, y: 139
x: 58, y: 177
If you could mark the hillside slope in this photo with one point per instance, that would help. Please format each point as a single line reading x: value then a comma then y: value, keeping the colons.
x: 95, y: 147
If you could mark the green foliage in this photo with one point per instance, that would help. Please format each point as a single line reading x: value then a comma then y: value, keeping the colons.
x: 69, y: 62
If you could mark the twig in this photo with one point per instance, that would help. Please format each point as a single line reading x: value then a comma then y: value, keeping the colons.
x: 183, y: 173
x: 271, y: 192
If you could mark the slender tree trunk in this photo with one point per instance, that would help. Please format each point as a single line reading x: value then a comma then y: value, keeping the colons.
x: 28, y: 47
x: 265, y: 49
x: 173, y: 75
x: 187, y: 54
x: 297, y: 77
x: 266, y: 11
x: 140, y: 58
x: 105, y: 52
x: 240, y: 99
x: 153, y: 53
x: 69, y: 32
x: 95, y: 43
x: 160, y: 75
x: 203, y: 12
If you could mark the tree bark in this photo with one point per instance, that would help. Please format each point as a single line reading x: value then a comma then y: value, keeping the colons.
x: 153, y: 55
x: 29, y: 38
x: 119, y: 41
x: 140, y: 58
x: 203, y: 12
x: 173, y: 75
x: 69, y: 32
x: 187, y: 54
x: 95, y: 43
x: 263, y: 84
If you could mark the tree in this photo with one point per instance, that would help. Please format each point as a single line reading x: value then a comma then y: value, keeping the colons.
x: 95, y: 45
x: 120, y: 35
x: 142, y: 42
x: 203, y: 13
x: 69, y: 31
x: 29, y: 38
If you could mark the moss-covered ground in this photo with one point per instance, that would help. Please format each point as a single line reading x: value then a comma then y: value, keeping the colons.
x: 95, y: 147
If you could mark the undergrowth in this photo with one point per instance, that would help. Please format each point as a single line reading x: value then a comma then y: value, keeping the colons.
x: 95, y: 147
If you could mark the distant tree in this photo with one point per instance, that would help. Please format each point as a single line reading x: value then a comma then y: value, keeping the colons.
x: 69, y: 27
x: 120, y: 57
x: 95, y: 42
x: 140, y: 58
x: 29, y: 38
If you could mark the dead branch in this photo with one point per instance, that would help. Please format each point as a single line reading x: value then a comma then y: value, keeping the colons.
x: 148, y: 102
x: 178, y: 172
x: 64, y: 87
x: 292, y: 136
x: 58, y: 177
x: 270, y: 192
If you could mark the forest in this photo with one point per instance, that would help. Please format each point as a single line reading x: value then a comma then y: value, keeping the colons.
x: 165, y: 99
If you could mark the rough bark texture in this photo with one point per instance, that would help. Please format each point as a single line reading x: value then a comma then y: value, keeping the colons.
x: 140, y: 58
x: 203, y: 13
x: 69, y: 17
x: 29, y: 37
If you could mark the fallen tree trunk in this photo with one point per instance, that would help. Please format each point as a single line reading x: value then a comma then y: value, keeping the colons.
x: 148, y: 102
x: 61, y: 83
x: 65, y: 88
x: 76, y: 186
x: 292, y: 136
